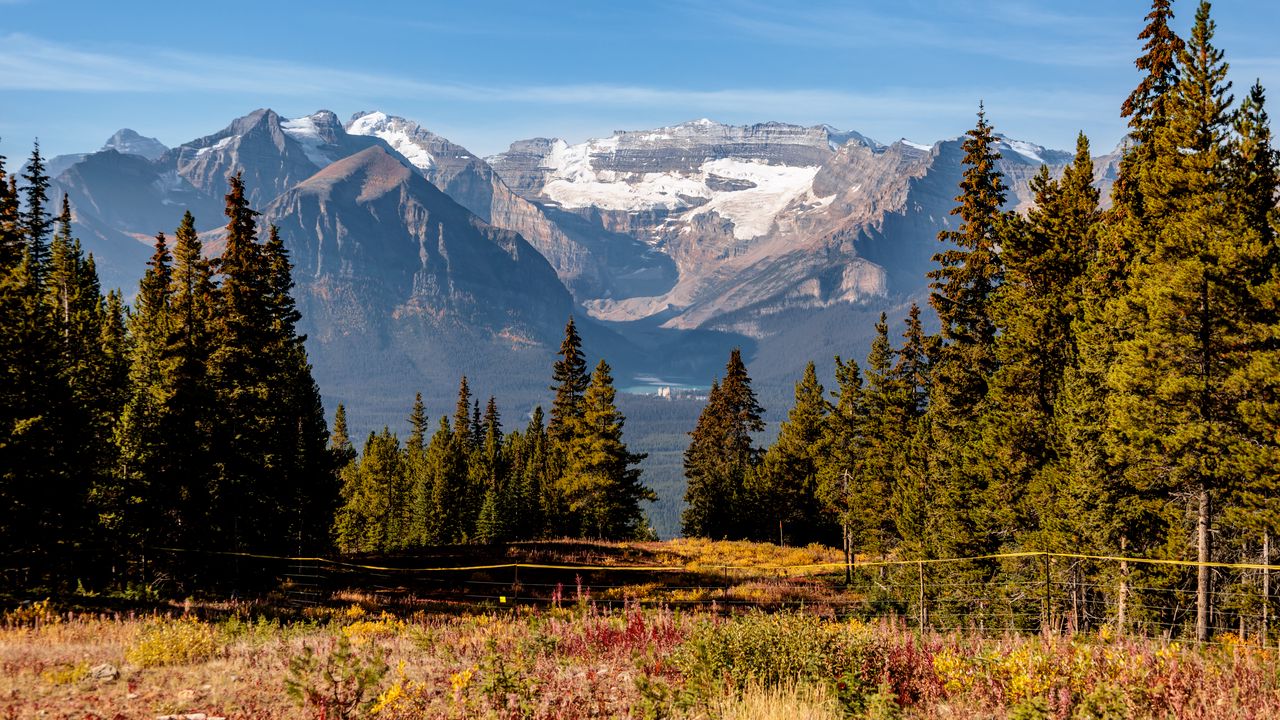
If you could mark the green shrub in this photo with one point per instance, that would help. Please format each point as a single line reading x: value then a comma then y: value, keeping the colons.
x: 1104, y: 702
x: 1032, y: 708
x: 342, y: 685
x: 771, y: 650
x: 172, y: 642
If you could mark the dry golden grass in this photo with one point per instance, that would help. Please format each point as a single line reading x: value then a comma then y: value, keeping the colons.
x: 795, y: 702
x: 742, y: 557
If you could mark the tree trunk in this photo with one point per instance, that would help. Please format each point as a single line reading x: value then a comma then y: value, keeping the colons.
x: 1202, y: 570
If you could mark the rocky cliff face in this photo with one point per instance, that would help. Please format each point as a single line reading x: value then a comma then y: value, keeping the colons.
x: 764, y: 219
x: 371, y: 223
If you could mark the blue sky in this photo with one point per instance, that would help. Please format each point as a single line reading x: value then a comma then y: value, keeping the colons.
x: 486, y: 73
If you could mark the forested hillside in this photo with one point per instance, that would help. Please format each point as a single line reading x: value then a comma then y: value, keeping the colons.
x: 1103, y: 382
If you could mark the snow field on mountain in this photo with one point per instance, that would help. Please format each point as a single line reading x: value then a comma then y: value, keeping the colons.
x: 395, y: 133
x: 304, y: 130
x: 574, y: 182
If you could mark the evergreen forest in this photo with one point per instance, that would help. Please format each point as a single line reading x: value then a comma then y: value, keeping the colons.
x: 1105, y: 379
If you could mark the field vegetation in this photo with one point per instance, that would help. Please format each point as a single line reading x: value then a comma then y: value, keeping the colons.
x: 581, y: 660
x: 778, y: 638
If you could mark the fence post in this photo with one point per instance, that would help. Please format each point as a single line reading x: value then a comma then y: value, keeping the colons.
x: 515, y: 583
x: 1266, y: 583
x: 924, y: 613
x: 1048, y: 609
x: 1124, y: 586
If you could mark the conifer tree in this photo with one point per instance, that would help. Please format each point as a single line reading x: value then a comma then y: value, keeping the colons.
x: 787, y: 492
x: 570, y: 378
x: 76, y: 311
x: 12, y: 246
x: 1148, y: 106
x: 340, y: 439
x: 417, y: 475
x: 1170, y: 404
x: 720, y: 456
x: 912, y: 489
x: 417, y: 424
x: 602, y: 489
x: 36, y: 222
x: 270, y: 437
x: 462, y: 416
x: 149, y: 485
x: 371, y: 517
x: 848, y: 490
x: 963, y: 291
x: 529, y: 470
x: 34, y: 469
x: 447, y: 470
x: 1044, y: 263
x: 886, y: 405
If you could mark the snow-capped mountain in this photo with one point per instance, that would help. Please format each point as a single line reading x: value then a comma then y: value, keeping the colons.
x: 592, y: 265
x: 129, y: 142
x: 761, y: 220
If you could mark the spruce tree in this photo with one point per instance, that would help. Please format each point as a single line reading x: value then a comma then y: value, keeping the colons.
x: 602, y: 488
x: 1044, y: 264
x: 340, y: 439
x: 447, y: 470
x: 720, y: 457
x: 1171, y: 407
x: 787, y: 490
x: 416, y: 472
x: 963, y: 292
x: 848, y: 489
x: 1148, y: 107
x: 150, y: 485
x: 417, y: 424
x: 912, y: 490
x: 536, y: 501
x: 12, y: 246
x: 35, y: 219
x: 570, y: 377
x: 462, y: 416
x: 887, y: 407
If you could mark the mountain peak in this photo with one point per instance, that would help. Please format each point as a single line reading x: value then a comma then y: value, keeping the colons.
x: 404, y: 136
x: 129, y: 142
x: 377, y: 171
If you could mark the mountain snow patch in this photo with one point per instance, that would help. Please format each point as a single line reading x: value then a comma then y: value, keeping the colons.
x: 218, y: 145
x: 752, y: 210
x: 574, y: 182
x: 1025, y: 149
x: 397, y: 133
x: 304, y: 130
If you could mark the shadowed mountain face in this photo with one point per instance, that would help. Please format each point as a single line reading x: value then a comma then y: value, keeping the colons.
x: 371, y: 223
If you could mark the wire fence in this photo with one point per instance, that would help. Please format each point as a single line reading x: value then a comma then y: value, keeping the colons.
x: 1025, y: 591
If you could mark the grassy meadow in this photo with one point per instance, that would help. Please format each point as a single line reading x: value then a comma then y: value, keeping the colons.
x: 612, y: 653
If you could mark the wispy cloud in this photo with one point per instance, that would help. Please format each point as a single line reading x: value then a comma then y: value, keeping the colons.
x: 29, y: 63
x: 1046, y: 38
